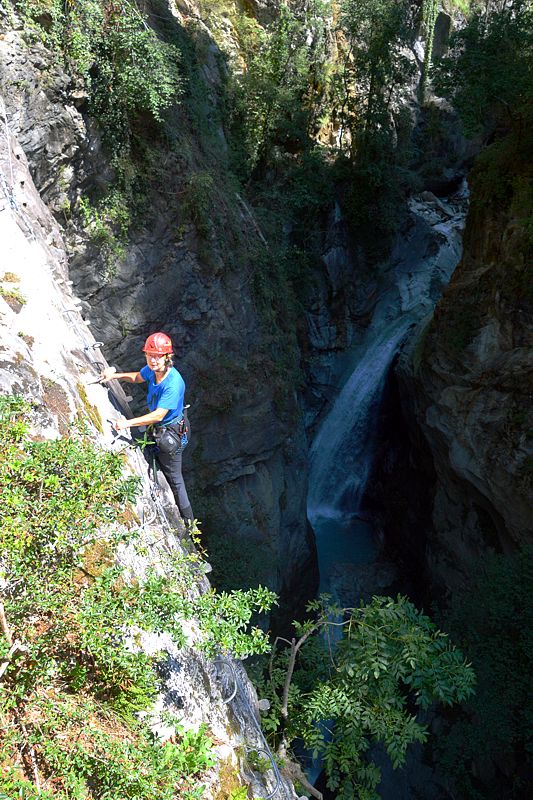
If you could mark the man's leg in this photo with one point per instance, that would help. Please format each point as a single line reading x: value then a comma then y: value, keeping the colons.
x: 171, y: 467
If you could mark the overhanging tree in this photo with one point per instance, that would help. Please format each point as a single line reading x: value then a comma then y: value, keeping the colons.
x: 488, y: 72
x: 390, y: 661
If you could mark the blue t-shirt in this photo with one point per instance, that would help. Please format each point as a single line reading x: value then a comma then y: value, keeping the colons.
x: 169, y: 393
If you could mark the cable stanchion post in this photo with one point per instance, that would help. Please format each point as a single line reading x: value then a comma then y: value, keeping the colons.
x: 266, y: 749
x: 98, y: 366
x: 95, y: 346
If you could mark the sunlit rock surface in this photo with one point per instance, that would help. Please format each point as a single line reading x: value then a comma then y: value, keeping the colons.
x: 246, y: 465
x: 49, y: 355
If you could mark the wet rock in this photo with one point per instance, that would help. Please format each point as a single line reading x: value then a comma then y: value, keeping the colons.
x: 467, y: 380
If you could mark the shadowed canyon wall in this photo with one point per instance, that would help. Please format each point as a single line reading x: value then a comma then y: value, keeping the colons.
x: 465, y: 389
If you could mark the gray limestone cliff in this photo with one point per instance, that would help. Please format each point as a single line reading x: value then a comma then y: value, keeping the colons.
x: 246, y: 466
x: 50, y: 357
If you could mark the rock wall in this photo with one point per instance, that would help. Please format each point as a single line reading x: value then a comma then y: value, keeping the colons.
x: 246, y: 463
x: 466, y: 382
x: 49, y: 355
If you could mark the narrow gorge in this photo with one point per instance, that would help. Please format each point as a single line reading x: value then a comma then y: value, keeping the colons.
x: 328, y: 207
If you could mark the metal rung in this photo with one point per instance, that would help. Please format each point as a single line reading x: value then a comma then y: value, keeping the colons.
x: 148, y: 521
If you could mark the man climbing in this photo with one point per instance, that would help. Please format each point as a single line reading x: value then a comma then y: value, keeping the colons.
x: 165, y: 396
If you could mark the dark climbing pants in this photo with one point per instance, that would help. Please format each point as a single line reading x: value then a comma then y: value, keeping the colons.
x: 171, y: 467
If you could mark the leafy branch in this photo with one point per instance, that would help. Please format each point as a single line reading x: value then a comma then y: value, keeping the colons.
x: 389, y: 657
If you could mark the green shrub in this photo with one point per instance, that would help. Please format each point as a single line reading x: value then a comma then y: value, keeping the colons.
x: 127, y: 69
x: 73, y: 684
x: 132, y: 76
x: 276, y: 101
x: 487, y: 71
x: 197, y: 204
x: 107, y: 761
x: 390, y: 660
x: 55, y: 493
x: 107, y: 223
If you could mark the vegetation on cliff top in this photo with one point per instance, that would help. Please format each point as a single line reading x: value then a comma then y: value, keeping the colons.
x: 488, y: 70
x: 128, y: 72
x: 130, y: 77
x: 488, y: 75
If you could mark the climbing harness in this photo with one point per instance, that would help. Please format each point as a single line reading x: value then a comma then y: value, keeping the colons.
x: 172, y: 437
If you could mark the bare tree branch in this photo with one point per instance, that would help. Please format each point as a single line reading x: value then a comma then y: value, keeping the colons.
x: 15, y: 645
x: 295, y: 773
x: 31, y: 751
x: 272, y: 654
x: 295, y: 646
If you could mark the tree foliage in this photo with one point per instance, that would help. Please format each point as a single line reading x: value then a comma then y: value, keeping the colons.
x: 488, y: 73
x: 430, y: 12
x: 390, y: 661
x: 376, y: 66
x: 108, y: 45
x: 70, y: 681
x: 277, y: 98
x: 375, y: 72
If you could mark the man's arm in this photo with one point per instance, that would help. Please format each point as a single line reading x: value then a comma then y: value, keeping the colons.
x: 146, y: 419
x: 109, y: 374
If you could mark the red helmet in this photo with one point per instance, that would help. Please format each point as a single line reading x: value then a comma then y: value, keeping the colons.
x: 158, y: 343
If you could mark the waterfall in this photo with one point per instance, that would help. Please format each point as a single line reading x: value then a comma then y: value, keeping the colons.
x: 341, y: 454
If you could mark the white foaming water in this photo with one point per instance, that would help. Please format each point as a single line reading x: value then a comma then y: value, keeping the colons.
x: 341, y: 451
x: 341, y: 456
